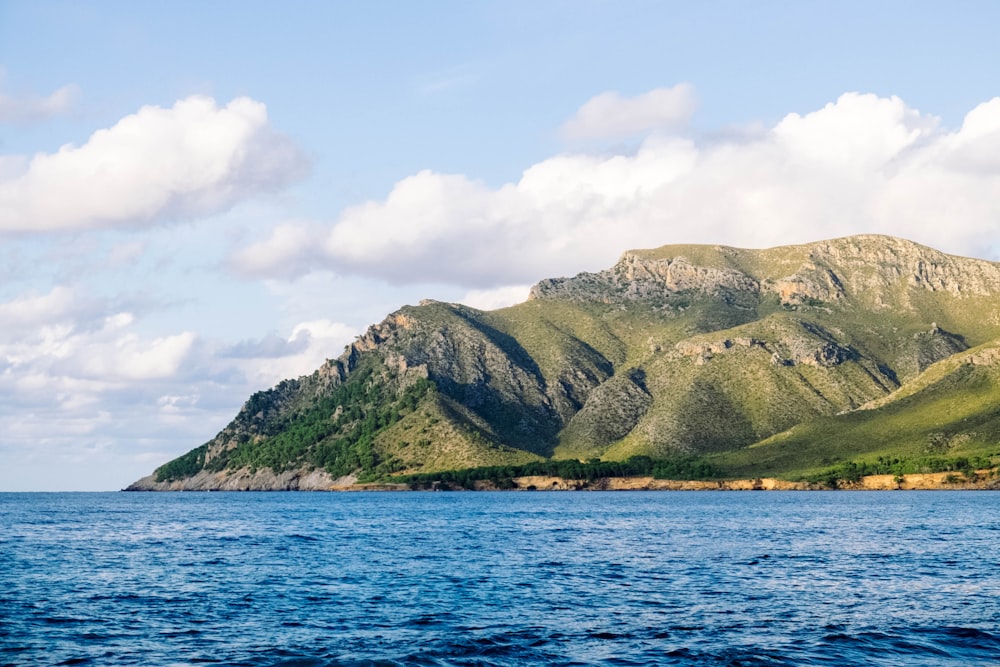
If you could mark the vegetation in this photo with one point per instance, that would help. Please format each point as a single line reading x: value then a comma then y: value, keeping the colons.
x: 951, y: 411
x: 335, y: 433
x: 184, y: 466
x: 852, y: 471
x: 688, y: 467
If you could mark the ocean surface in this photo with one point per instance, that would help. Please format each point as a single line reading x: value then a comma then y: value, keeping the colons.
x: 627, y: 578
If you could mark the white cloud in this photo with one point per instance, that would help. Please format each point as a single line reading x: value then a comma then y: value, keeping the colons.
x: 861, y: 164
x: 32, y: 108
x: 192, y: 159
x: 323, y: 339
x: 33, y: 310
x: 291, y: 250
x: 857, y: 131
x: 611, y: 116
x: 59, y: 347
x: 82, y: 385
x: 129, y: 357
x: 500, y: 297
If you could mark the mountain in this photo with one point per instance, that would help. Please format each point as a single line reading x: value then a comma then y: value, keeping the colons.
x: 768, y: 361
x: 950, y: 410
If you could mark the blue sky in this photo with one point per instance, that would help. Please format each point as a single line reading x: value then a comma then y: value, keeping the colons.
x: 200, y: 199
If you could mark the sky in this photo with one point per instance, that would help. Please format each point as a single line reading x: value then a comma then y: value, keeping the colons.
x: 200, y: 199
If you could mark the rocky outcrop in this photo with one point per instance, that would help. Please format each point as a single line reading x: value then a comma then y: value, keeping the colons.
x: 611, y: 412
x: 869, y: 266
x: 246, y: 480
x: 635, y: 279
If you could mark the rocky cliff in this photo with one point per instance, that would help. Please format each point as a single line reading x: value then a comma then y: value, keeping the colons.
x: 673, y: 351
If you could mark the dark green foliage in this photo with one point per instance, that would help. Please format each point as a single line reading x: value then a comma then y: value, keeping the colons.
x: 184, y: 466
x: 502, y: 476
x: 852, y: 471
x: 336, y: 433
x: 687, y: 467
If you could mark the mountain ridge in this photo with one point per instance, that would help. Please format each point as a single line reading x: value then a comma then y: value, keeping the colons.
x: 674, y: 351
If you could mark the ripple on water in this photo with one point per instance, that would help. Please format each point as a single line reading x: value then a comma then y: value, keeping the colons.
x: 499, y: 579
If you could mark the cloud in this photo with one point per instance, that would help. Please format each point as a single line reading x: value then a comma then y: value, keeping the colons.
x: 862, y: 164
x: 129, y: 357
x: 31, y: 108
x: 60, y: 346
x: 74, y: 349
x: 33, y: 310
x: 271, y: 346
x: 125, y: 253
x: 190, y: 160
x: 82, y: 386
x: 304, y: 350
x: 500, y: 297
x: 611, y: 116
x: 290, y: 250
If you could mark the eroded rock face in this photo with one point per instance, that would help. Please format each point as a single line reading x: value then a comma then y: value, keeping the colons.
x: 812, y: 284
x: 874, y: 261
x: 827, y: 271
x: 634, y: 278
x: 812, y: 346
x: 246, y: 480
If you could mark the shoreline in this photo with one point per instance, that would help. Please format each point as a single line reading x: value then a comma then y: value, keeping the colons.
x: 981, y: 480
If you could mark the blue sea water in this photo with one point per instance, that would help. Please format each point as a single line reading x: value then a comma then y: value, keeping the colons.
x: 627, y: 578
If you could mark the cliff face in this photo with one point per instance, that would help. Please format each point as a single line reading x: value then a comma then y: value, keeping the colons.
x: 872, y: 268
x: 682, y: 349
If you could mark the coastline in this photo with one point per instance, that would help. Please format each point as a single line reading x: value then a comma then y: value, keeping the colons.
x: 981, y: 480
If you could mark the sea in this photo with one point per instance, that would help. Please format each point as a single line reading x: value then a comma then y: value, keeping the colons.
x: 500, y: 578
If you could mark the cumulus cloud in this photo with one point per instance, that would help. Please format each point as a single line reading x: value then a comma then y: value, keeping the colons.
x: 611, y: 116
x: 289, y: 251
x: 862, y: 164
x: 192, y: 159
x: 31, y: 108
x: 33, y: 310
x: 81, y: 384
x: 304, y: 350
x: 271, y: 346
x: 500, y: 297
x: 129, y: 357
x: 60, y: 346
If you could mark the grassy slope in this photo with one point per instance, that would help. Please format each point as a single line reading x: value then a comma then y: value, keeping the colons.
x: 739, y: 397
x: 734, y: 398
x: 952, y: 409
x: 442, y: 435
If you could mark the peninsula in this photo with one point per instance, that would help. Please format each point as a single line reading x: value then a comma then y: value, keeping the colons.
x: 819, y: 364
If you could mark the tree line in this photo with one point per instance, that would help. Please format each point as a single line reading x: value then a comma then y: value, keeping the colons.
x: 684, y: 467
x: 853, y: 471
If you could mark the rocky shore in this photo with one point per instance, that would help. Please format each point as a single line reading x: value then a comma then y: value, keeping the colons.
x: 982, y: 480
x: 266, y: 480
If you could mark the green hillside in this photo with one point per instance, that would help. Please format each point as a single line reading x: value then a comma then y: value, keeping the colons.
x: 951, y: 410
x: 778, y: 362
